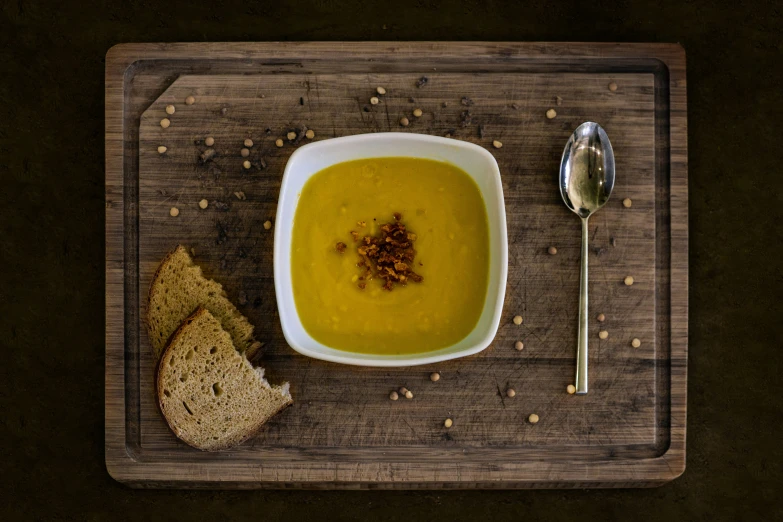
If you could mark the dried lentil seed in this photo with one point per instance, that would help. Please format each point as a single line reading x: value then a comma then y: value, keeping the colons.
x: 627, y: 202
x: 434, y: 376
x: 408, y: 394
x: 393, y: 396
x: 291, y: 136
x: 552, y: 250
x: 497, y: 144
x: 190, y: 100
x: 417, y: 113
x: 170, y: 109
x: 601, y: 318
x: 203, y: 203
x: 209, y: 141
x: 636, y: 343
x: 165, y: 122
x: 267, y: 225
x: 511, y: 392
x: 571, y: 389
x: 279, y: 142
x: 380, y: 90
x: 448, y: 423
x: 519, y: 345
x: 603, y: 334
x: 517, y: 320
x: 174, y: 212
x: 533, y: 418
x: 310, y: 134
x: 628, y: 281
x: 246, y: 164
x: 374, y: 100
x: 551, y: 113
x: 248, y: 142
x: 404, y: 121
x: 612, y: 86
x: 245, y: 153
x: 162, y: 149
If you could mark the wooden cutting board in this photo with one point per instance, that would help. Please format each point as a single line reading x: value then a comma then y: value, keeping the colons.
x: 343, y: 431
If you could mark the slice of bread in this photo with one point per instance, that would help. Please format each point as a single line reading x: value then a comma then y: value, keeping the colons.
x: 210, y: 395
x: 177, y: 289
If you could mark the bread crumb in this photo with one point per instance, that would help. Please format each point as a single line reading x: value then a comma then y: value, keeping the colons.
x: 551, y: 113
x: 628, y: 281
x: 165, y: 122
x: 497, y: 144
x: 533, y: 418
x: 209, y: 141
x: 203, y: 203
x: 417, y: 113
x: 310, y: 134
x: 393, y: 396
x: 248, y: 142
x: 162, y: 149
x: 267, y: 224
x: 434, y: 376
x: 174, y: 212
x: 380, y: 90
x: 601, y: 318
x: 404, y: 121
x: 170, y: 109
x: 519, y: 345
x: 552, y: 250
x: 636, y: 343
x: 627, y: 202
x: 517, y: 320
x: 603, y: 334
x: 511, y: 392
x: 571, y: 389
x: 612, y: 86
x: 190, y: 100
x: 374, y: 100
x: 279, y: 142
x: 448, y: 423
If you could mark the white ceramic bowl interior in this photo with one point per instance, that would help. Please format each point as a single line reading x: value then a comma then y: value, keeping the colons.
x: 311, y: 158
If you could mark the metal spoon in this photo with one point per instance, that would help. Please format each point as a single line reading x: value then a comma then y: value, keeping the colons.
x: 586, y: 182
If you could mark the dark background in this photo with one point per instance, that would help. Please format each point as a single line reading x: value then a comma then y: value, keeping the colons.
x: 52, y: 250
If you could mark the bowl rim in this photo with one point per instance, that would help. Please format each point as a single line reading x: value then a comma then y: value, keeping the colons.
x: 361, y: 359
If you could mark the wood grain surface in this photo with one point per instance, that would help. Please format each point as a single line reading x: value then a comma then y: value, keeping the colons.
x: 343, y: 431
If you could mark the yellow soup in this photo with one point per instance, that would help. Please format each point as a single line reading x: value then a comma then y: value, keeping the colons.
x: 439, y: 203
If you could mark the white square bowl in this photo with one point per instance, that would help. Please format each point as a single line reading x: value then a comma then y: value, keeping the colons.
x: 314, y: 157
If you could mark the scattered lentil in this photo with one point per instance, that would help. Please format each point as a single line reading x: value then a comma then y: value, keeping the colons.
x: 248, y: 142
x: 434, y: 376
x: 627, y: 202
x: 165, y: 122
x: 628, y: 281
x: 551, y: 113
x: 519, y: 345
x: 267, y: 225
x: 601, y: 318
x: 408, y: 394
x: 403, y: 390
x: 209, y: 141
x: 170, y: 109
x: 404, y: 121
x: 380, y: 90
x: 190, y: 100
x: 174, y: 212
x: 203, y: 203
x: 417, y: 113
x: 612, y: 86
x: 393, y: 396
x: 552, y: 250
x: 448, y: 423
x: 246, y: 164
x: 374, y: 100
x: 533, y: 418
x: 310, y: 134
x: 497, y: 144
x: 279, y: 142
x: 162, y: 149
x: 603, y: 334
x: 636, y: 343
x: 245, y: 152
x: 511, y: 392
x: 571, y: 389
x: 518, y: 320
x: 291, y: 136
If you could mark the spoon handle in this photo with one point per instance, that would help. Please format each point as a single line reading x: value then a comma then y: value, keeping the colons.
x: 581, y: 350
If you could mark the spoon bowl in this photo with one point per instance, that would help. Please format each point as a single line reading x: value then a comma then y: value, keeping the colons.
x: 586, y: 182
